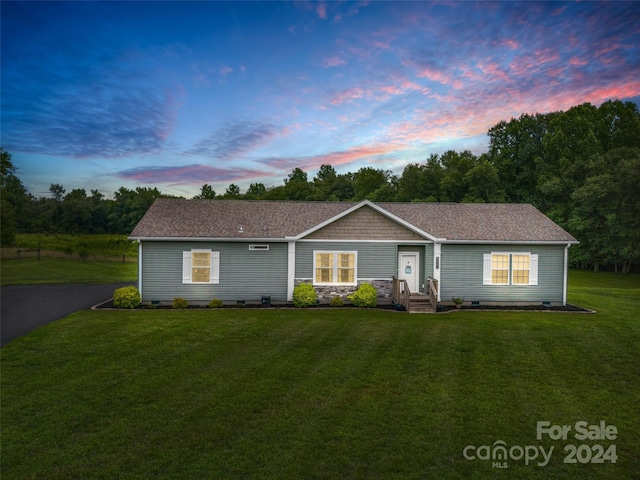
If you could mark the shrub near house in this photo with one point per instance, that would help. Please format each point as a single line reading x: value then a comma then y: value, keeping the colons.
x: 365, y: 296
x: 304, y: 295
x: 126, y: 297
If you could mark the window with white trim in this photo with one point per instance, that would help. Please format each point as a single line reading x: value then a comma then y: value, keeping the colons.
x: 334, y: 267
x: 506, y: 268
x: 200, y: 266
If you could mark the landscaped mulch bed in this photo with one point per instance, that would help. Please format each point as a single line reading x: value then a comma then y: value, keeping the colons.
x: 524, y: 308
x: 381, y: 306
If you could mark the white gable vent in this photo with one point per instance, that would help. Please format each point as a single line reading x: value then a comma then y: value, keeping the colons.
x: 259, y: 247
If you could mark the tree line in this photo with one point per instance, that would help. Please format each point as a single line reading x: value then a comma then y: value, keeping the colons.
x: 581, y: 167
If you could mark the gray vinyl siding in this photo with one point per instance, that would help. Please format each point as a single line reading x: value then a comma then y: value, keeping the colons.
x: 244, y: 274
x: 462, y: 267
x: 376, y: 260
x: 428, y: 261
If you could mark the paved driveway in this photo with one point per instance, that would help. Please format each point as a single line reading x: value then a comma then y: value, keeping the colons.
x: 27, y: 307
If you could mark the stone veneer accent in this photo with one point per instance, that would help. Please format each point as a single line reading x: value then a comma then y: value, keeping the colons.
x: 325, y: 293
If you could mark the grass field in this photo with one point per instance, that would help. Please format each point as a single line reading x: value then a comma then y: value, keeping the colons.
x: 286, y: 394
x: 103, y: 247
x: 29, y: 271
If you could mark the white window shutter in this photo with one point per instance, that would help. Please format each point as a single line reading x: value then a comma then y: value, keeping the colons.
x: 486, y: 271
x: 215, y: 267
x: 186, y: 266
x: 533, y: 269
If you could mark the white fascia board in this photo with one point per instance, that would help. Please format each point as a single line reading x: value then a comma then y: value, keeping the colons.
x: 342, y: 240
x: 509, y: 242
x: 208, y: 239
x: 378, y: 209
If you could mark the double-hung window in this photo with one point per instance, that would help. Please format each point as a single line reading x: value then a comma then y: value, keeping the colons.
x: 505, y: 268
x: 200, y: 266
x: 499, y: 269
x: 520, y: 269
x: 334, y: 267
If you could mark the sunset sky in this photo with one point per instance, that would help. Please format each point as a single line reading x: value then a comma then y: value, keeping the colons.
x: 99, y: 95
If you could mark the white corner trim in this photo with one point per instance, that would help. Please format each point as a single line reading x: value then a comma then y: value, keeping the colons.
x: 437, y: 262
x: 565, y: 282
x: 140, y: 268
x: 291, y: 269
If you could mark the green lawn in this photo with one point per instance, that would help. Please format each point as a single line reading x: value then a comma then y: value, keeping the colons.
x: 328, y: 393
x: 90, y: 244
x: 59, y: 270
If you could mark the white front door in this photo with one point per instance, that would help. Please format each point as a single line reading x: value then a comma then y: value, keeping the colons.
x: 408, y: 270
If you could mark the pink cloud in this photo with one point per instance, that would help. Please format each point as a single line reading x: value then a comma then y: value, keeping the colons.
x: 558, y: 11
x: 494, y: 71
x: 527, y: 65
x: 380, y: 93
x: 459, y: 118
x: 348, y: 95
x: 547, y: 55
x: 611, y: 55
x: 607, y: 49
x: 380, y: 45
x: 402, y: 87
x: 512, y: 44
x: 435, y: 75
x: 333, y: 61
x: 188, y: 175
x: 321, y: 10
x: 578, y: 61
x: 604, y: 93
x: 433, y: 127
x: 225, y: 70
x: 354, y: 154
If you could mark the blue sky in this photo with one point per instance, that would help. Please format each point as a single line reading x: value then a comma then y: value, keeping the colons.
x: 99, y: 95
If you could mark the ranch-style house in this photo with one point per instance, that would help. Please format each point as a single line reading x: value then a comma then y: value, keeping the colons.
x: 242, y: 250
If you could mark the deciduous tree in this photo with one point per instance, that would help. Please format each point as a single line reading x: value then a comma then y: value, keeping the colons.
x: 206, y: 192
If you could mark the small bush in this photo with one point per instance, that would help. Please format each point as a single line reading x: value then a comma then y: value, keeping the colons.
x: 126, y: 297
x: 215, y: 303
x: 365, y: 296
x: 336, y: 301
x: 179, y: 303
x: 304, y: 295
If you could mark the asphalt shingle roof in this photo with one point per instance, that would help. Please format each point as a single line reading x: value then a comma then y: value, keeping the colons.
x: 234, y: 219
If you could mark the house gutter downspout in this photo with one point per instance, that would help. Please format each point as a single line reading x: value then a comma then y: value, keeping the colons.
x: 566, y: 274
x: 140, y: 268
